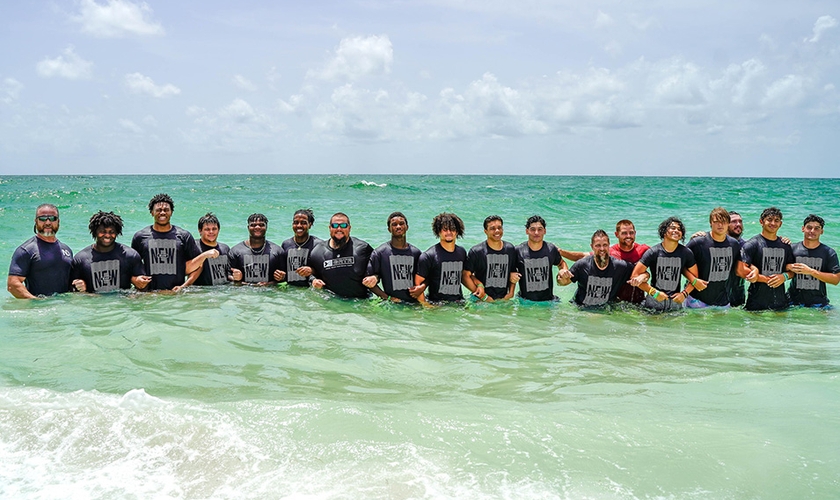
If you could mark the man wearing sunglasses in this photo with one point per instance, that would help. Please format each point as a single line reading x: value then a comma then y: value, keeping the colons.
x: 41, y: 265
x: 340, y: 263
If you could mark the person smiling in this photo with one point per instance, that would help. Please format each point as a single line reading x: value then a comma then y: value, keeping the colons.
x: 106, y: 266
x: 41, y: 265
x: 340, y: 263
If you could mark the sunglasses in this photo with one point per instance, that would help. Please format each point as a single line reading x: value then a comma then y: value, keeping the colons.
x: 342, y: 225
x: 45, y: 218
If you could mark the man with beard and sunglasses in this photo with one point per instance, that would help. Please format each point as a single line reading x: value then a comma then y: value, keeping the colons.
x: 41, y: 265
x: 340, y: 263
x: 599, y: 276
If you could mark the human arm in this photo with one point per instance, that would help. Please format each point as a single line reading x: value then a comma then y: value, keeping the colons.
x: 198, y: 261
x: 17, y: 287
x: 419, y: 288
x: 140, y: 282
x: 801, y: 268
x: 644, y: 286
x: 564, y: 277
x: 572, y: 255
x: 475, y: 286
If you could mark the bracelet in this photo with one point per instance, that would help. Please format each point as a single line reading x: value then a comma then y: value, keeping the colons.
x: 693, y: 283
x: 480, y: 285
x: 684, y: 294
x: 652, y: 291
x: 786, y: 276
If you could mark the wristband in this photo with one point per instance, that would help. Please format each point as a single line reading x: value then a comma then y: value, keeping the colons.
x: 693, y: 282
x: 480, y: 285
x: 652, y: 291
x: 655, y: 294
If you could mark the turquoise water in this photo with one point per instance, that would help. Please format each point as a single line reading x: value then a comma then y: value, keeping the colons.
x: 287, y: 393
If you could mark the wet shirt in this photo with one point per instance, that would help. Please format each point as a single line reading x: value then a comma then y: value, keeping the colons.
x: 442, y: 272
x: 165, y: 255
x: 628, y: 292
x: 808, y: 290
x: 716, y: 263
x: 214, y: 271
x: 258, y: 265
x: 666, y: 268
x: 493, y: 267
x: 597, y: 287
x: 537, y: 283
x: 396, y: 268
x: 107, y: 271
x: 735, y: 285
x: 770, y: 257
x: 46, y: 266
x: 297, y: 256
x: 344, y: 269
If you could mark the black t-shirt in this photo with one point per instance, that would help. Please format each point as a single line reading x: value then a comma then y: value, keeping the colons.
x: 493, y: 267
x: 716, y: 263
x: 297, y: 256
x: 808, y: 290
x: 46, y: 266
x: 442, y: 272
x: 256, y: 266
x: 735, y: 285
x: 214, y: 271
x: 344, y: 269
x: 596, y: 287
x: 165, y: 255
x: 537, y: 283
x: 396, y: 268
x: 770, y: 257
x: 666, y: 267
x: 108, y: 271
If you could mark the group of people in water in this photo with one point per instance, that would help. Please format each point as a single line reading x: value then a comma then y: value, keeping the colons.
x: 715, y: 264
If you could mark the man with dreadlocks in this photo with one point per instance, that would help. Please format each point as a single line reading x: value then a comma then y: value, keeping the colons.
x: 167, y: 250
x: 107, y: 265
x: 257, y: 259
x: 442, y: 267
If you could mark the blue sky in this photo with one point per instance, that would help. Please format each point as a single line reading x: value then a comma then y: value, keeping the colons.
x: 469, y: 87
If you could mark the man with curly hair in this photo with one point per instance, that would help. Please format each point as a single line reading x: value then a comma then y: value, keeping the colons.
x: 442, y: 267
x: 106, y: 266
x: 165, y: 249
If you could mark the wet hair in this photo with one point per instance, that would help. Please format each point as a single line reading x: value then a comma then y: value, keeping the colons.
x: 105, y: 219
x: 733, y: 212
x: 599, y: 234
x: 340, y: 214
x: 257, y: 218
x: 310, y: 215
x: 719, y: 213
x: 396, y: 214
x: 534, y: 218
x: 491, y: 218
x: 624, y: 222
x: 663, y: 227
x: 446, y: 220
x: 771, y: 212
x: 814, y: 218
x: 161, y: 198
x: 209, y: 218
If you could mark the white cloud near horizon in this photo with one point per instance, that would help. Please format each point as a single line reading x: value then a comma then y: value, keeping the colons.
x: 116, y: 18
x: 141, y: 84
x: 68, y: 65
x: 358, y: 57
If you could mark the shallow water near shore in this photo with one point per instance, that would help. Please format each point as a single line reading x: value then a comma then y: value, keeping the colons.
x: 239, y: 392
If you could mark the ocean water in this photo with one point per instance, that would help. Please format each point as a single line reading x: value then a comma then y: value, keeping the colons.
x: 288, y: 393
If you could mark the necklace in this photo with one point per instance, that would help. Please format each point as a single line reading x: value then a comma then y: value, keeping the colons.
x: 258, y: 252
x: 304, y: 243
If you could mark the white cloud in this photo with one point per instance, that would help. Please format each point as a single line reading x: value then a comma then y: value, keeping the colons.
x: 603, y: 20
x: 140, y: 84
x: 116, y: 18
x: 130, y: 126
x: 243, y: 83
x: 10, y: 90
x: 68, y: 65
x: 236, y: 127
x: 823, y: 24
x: 786, y: 92
x: 358, y: 57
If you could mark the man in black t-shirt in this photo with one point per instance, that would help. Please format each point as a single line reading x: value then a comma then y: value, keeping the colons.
x: 256, y: 258
x: 769, y: 259
x: 668, y: 262
x: 718, y: 258
x: 340, y: 263
x: 41, y: 265
x: 298, y: 248
x: 536, y: 258
x: 213, y: 259
x: 599, y: 276
x: 816, y: 264
x: 492, y: 264
x: 394, y: 263
x: 106, y: 265
x: 443, y: 266
x: 167, y: 250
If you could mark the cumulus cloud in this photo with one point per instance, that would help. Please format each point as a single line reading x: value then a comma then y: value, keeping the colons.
x: 243, y: 83
x: 10, y: 90
x: 236, y: 127
x: 823, y: 24
x: 141, y: 84
x: 116, y: 18
x: 358, y: 57
x: 603, y: 20
x: 130, y: 126
x: 68, y: 65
